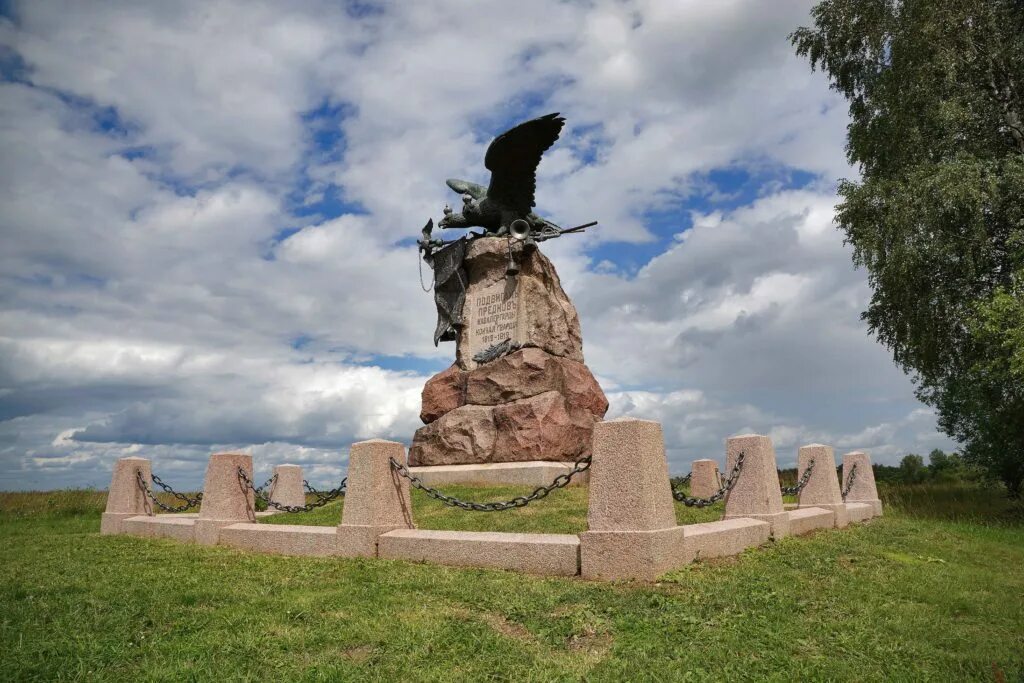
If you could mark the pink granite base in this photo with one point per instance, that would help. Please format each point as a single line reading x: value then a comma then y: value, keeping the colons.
x: 860, y: 512
x: 360, y: 540
x: 599, y: 555
x: 805, y: 520
x: 779, y: 522
x: 208, y: 530
x: 177, y: 527
x: 113, y: 522
x: 624, y: 555
x: 546, y: 554
x: 840, y: 517
x: 723, y: 538
x: 283, y: 539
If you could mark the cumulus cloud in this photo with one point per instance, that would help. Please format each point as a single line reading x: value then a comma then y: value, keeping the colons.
x: 208, y: 206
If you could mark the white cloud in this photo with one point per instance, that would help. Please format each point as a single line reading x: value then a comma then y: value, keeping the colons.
x: 166, y: 293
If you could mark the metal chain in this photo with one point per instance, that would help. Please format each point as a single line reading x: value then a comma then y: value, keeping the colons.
x: 849, y: 481
x: 260, y: 495
x: 680, y: 481
x: 188, y: 502
x: 559, y: 482
x: 324, y: 497
x: 433, y: 279
x: 268, y: 485
x: 795, y: 490
x: 192, y: 502
x: 690, y: 501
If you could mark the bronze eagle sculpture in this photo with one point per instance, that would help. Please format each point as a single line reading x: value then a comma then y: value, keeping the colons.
x: 512, y: 158
x: 501, y: 208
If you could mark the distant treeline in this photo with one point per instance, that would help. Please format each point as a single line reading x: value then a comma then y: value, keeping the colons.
x: 941, y: 467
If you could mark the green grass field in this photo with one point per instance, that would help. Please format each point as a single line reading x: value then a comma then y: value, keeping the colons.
x: 932, y: 591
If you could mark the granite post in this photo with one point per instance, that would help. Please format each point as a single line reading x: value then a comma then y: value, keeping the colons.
x: 125, y: 498
x: 704, y: 478
x: 756, y: 493
x: 863, y: 489
x: 376, y: 499
x: 632, y: 531
x: 822, y: 488
x: 226, y: 500
x: 287, y: 488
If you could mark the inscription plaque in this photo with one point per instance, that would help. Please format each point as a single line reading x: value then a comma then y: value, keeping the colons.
x: 492, y: 316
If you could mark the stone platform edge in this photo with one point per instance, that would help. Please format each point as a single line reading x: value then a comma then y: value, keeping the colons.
x: 526, y: 473
x: 542, y: 554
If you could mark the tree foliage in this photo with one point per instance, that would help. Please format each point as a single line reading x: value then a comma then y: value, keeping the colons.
x: 913, y: 470
x: 936, y: 97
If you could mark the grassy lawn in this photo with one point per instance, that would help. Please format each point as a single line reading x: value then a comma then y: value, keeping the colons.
x: 932, y: 591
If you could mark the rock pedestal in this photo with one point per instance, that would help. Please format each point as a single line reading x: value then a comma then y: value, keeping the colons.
x: 536, y: 402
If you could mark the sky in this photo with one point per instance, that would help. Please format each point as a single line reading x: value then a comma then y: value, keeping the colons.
x: 209, y: 214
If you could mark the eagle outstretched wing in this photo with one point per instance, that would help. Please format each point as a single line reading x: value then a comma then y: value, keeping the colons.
x: 512, y: 159
x: 466, y: 187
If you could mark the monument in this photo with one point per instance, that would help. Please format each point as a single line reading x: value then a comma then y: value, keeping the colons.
x: 519, y: 390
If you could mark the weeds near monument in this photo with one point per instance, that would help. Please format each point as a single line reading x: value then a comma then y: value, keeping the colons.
x: 690, y: 501
x: 187, y: 503
x: 559, y: 482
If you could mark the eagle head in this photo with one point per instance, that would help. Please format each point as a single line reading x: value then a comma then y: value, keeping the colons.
x: 469, y: 217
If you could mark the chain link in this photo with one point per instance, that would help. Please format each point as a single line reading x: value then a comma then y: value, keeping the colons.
x: 269, y: 484
x: 795, y: 490
x: 559, y: 482
x: 322, y: 499
x: 680, y: 481
x: 325, y: 497
x: 690, y: 501
x: 188, y: 503
x: 849, y: 481
x: 433, y: 279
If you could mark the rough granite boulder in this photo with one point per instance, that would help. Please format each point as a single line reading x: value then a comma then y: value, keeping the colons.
x: 542, y: 427
x: 522, y: 374
x: 443, y: 393
x: 461, y: 436
x: 529, y: 372
x: 539, y: 402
